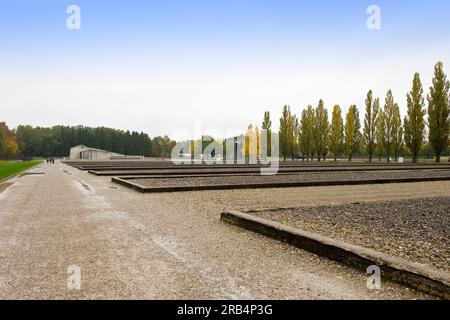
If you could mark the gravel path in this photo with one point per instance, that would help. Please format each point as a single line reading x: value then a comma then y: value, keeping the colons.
x: 417, y: 230
x: 168, y: 246
x: 301, y: 177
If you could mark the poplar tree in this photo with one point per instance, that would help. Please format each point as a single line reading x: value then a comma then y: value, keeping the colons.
x: 321, y: 129
x: 307, y: 133
x: 381, y: 134
x: 397, y: 132
x: 438, y: 112
x: 390, y: 133
x: 294, y: 138
x: 258, y: 141
x: 336, y: 132
x: 372, y: 108
x: 249, y: 149
x: 414, y: 123
x: 400, y: 144
x: 267, y: 129
x: 285, y: 131
x: 352, y: 132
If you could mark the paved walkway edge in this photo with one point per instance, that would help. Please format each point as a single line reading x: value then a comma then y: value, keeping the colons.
x: 19, y: 173
x: 413, y: 275
x: 8, y: 178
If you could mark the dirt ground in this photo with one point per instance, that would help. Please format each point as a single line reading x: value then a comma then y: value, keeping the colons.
x: 169, y: 246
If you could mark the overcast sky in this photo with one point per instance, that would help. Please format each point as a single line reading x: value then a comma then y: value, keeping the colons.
x: 180, y: 67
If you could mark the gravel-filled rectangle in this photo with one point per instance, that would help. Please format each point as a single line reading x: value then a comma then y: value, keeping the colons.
x: 352, y: 176
x: 417, y: 230
x: 255, y: 170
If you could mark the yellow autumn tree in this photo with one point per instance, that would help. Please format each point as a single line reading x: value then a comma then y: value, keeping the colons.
x: 194, y: 146
x: 9, y: 147
x: 258, y: 141
x: 12, y: 147
x: 251, y: 146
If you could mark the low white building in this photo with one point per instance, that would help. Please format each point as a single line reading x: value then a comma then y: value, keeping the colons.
x: 82, y: 152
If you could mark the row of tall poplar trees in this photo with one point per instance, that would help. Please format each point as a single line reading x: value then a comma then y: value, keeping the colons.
x: 383, y: 132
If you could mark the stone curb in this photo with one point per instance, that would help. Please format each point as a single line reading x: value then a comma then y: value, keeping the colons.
x: 413, y: 275
x: 300, y: 184
x: 167, y: 172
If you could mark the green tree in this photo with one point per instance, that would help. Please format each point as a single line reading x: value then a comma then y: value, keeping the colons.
x: 336, y: 132
x: 397, y: 132
x: 414, y: 123
x: 57, y: 141
x: 321, y: 130
x: 389, y: 117
x: 267, y: 129
x: 352, y: 132
x: 294, y: 139
x: 285, y: 132
x: 372, y: 108
x: 380, y: 133
x: 438, y: 112
x: 307, y: 133
x: 399, y: 146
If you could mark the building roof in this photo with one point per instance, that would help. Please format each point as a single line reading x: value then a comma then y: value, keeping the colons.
x: 85, y: 148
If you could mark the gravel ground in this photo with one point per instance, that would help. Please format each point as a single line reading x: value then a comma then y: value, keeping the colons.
x: 302, y: 177
x: 169, y: 246
x: 121, y: 163
x: 417, y: 230
x: 192, y: 171
x: 116, y: 166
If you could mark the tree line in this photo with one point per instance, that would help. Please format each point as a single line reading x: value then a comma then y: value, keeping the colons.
x: 27, y: 142
x: 382, y: 134
x: 312, y: 135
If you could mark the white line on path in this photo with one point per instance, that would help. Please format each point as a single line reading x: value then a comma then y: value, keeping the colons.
x: 224, y: 284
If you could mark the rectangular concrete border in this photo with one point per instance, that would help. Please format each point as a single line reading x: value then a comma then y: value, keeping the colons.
x: 301, y: 184
x: 413, y: 275
x: 250, y: 171
x: 86, y: 166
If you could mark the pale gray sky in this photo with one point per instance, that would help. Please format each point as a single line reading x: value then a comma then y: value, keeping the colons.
x: 209, y: 68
